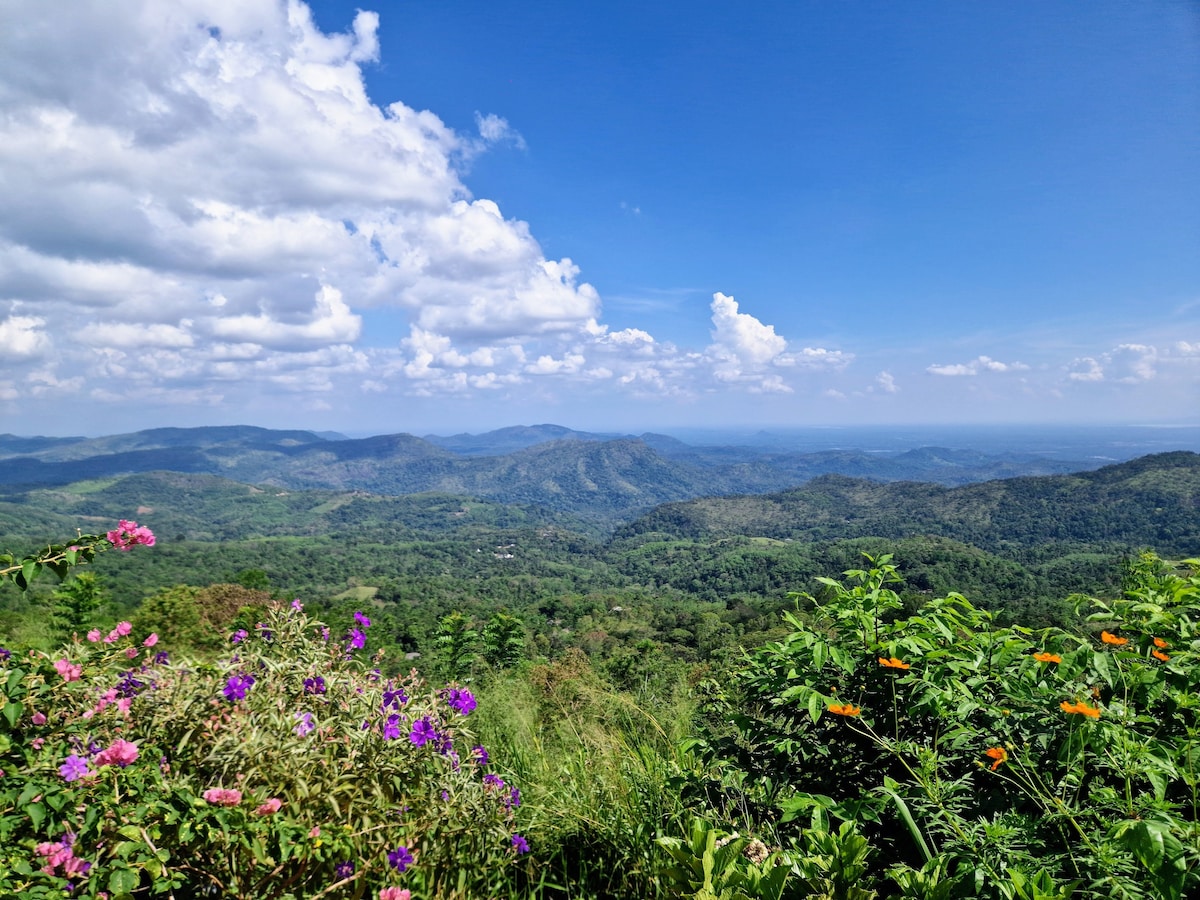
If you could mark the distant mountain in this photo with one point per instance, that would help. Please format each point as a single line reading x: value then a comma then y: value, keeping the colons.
x: 607, y: 479
x: 1150, y: 501
x: 512, y: 439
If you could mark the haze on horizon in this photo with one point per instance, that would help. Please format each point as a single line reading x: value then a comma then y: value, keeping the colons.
x: 436, y: 218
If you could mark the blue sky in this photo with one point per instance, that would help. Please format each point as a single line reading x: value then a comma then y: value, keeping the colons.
x: 462, y: 215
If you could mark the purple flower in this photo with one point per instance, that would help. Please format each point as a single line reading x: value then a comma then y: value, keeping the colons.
x: 520, y: 844
x: 161, y: 658
x: 73, y: 767
x: 362, y: 620
x: 129, y: 686
x: 391, y: 731
x: 297, y: 605
x: 481, y: 755
x: 357, y: 640
x: 343, y: 869
x: 461, y: 700
x: 514, y: 799
x: 493, y: 781
x: 314, y: 685
x: 400, y: 858
x: 325, y: 634
x: 393, y: 698
x: 236, y: 687
x: 306, y: 723
x: 423, y: 731
x: 240, y: 635
x: 5, y: 654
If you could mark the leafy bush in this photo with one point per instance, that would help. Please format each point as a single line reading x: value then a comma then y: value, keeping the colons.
x: 979, y: 761
x: 290, y: 768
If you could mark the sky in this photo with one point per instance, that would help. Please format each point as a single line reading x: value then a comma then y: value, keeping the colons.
x: 457, y: 215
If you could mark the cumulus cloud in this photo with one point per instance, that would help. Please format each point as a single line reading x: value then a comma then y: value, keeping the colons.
x: 976, y: 366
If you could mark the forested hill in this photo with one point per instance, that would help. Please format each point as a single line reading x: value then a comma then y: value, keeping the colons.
x: 605, y: 478
x: 1150, y: 501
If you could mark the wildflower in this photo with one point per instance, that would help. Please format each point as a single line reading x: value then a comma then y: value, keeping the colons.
x: 358, y: 640
x: 306, y: 723
x: 1047, y: 657
x: 120, y: 753
x: 1113, y: 639
x: 315, y: 685
x: 128, y: 535
x: 756, y: 851
x: 999, y: 754
x: 480, y: 755
x: 73, y: 768
x: 394, y: 893
x: 423, y: 731
x: 131, y: 652
x: 223, y: 796
x: 520, y: 844
x: 362, y: 620
x: 393, y: 698
x: 69, y: 672
x: 1081, y: 708
x: 845, y: 709
x: 344, y: 869
x: 94, y: 635
x: 236, y: 687
x: 5, y: 654
x: 161, y: 658
x: 1159, y: 655
x: 297, y: 605
x: 400, y: 858
x: 391, y: 730
x: 269, y: 807
x: 150, y: 641
x: 1161, y: 644
x: 238, y: 636
x: 38, y: 718
x: 461, y: 700
x: 491, y: 781
x: 123, y: 628
x: 514, y: 798
x: 893, y: 663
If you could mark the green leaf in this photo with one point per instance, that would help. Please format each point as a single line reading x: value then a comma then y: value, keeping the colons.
x: 12, y: 712
x: 122, y: 881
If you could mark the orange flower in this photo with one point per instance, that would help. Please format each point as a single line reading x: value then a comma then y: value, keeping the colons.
x: 1158, y: 654
x: 845, y: 709
x: 1113, y: 639
x: 893, y: 663
x: 1161, y: 644
x: 1047, y: 657
x: 1081, y: 708
x: 999, y: 754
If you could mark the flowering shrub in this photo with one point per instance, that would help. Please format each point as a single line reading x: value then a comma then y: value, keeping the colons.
x: 979, y: 761
x: 292, y: 768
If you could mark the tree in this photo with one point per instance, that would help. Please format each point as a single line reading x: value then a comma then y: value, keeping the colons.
x: 76, y: 603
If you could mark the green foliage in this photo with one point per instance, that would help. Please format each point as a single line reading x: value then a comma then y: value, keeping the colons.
x: 76, y: 604
x: 984, y: 761
x: 246, y: 775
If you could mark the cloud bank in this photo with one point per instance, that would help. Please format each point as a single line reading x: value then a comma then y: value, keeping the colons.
x: 201, y: 197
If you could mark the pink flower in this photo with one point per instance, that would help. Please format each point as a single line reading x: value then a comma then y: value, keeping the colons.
x: 120, y: 753
x: 112, y: 637
x: 94, y: 635
x: 128, y: 535
x: 269, y: 807
x: 123, y: 705
x: 394, y: 893
x: 69, y: 672
x: 315, y: 831
x: 131, y: 652
x: 123, y: 628
x: 39, y: 718
x: 150, y: 641
x: 37, y: 743
x: 223, y: 796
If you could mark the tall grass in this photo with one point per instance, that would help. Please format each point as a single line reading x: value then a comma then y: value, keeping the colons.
x: 597, y: 770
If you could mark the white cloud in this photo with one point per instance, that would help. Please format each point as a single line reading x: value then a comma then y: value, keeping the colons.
x: 887, y: 383
x: 976, y: 366
x: 23, y: 336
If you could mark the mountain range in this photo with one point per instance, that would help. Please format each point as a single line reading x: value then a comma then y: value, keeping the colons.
x: 606, y: 478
